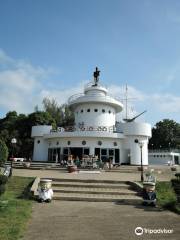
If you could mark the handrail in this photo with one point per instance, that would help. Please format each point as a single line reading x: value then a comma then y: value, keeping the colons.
x: 112, y: 129
x: 164, y: 150
x: 76, y: 96
x: 90, y: 84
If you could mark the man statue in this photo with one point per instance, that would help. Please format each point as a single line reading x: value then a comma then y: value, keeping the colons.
x: 96, y: 76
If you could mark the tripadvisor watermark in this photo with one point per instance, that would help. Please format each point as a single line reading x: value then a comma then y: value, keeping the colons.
x: 140, y: 231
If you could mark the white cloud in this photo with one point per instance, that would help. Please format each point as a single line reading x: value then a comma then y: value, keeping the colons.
x: 22, y: 88
x: 166, y: 102
x: 18, y: 82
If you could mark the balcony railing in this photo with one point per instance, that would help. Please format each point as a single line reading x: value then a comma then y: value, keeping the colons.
x: 164, y: 150
x: 111, y: 129
x: 92, y: 96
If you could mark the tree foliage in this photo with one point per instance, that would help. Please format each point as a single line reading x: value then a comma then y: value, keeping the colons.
x: 19, y: 127
x: 3, y: 152
x: 165, y: 134
x: 62, y: 114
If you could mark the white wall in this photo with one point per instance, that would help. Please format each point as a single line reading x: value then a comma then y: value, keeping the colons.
x: 136, y: 128
x: 135, y: 152
x: 39, y: 131
x: 40, y: 152
x: 95, y: 119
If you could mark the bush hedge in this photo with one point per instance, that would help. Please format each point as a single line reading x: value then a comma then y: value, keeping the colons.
x: 3, y: 152
x: 3, y: 181
x: 2, y: 188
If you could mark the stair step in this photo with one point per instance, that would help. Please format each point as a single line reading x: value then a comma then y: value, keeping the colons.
x: 90, y: 185
x: 126, y: 199
x: 74, y: 180
x: 94, y: 191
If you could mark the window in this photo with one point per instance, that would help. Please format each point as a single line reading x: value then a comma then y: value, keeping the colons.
x: 103, y: 110
x: 82, y: 111
x: 115, y: 144
x: 69, y: 142
x: 88, y: 110
x: 57, y: 143
x: 38, y: 141
x: 111, y: 152
x: 104, y: 151
x: 65, y: 150
x: 109, y: 111
x: 96, y: 110
x: 83, y: 142
x: 86, y: 151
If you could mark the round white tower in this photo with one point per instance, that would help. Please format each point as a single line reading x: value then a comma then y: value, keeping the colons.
x: 94, y: 107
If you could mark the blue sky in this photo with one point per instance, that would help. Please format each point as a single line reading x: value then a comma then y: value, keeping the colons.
x: 51, y: 47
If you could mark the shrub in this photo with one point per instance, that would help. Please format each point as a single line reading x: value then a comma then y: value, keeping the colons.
x: 175, y: 181
x: 166, y: 195
x: 2, y: 188
x: 178, y: 175
x: 3, y: 152
x: 3, y: 179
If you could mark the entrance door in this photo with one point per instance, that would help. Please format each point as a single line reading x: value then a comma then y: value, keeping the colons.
x: 117, y: 156
x: 76, y: 152
x: 54, y: 154
x: 176, y: 160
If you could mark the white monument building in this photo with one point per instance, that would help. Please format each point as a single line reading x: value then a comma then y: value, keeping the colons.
x: 95, y: 133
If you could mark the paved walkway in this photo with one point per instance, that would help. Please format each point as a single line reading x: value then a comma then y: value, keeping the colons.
x: 164, y: 175
x: 61, y: 220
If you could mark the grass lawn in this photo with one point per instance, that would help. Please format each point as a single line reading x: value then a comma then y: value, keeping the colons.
x: 166, y: 196
x: 15, y: 208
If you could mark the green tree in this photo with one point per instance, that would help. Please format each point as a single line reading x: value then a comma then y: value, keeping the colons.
x: 165, y: 134
x: 68, y: 117
x: 62, y: 114
x: 3, y: 152
x: 19, y: 126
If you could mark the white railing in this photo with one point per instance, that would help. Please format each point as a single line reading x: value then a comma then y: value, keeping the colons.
x: 75, y: 97
x: 92, y: 96
x: 90, y: 84
x: 164, y: 150
x: 85, y: 128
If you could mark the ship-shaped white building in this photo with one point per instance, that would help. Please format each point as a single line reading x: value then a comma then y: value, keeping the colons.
x: 95, y: 133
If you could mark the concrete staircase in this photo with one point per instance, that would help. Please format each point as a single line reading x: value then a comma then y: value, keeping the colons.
x: 95, y: 191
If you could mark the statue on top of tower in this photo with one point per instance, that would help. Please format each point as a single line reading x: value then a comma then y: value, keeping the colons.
x: 96, y: 77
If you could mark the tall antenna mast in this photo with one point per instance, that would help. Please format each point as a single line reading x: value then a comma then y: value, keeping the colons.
x: 126, y: 101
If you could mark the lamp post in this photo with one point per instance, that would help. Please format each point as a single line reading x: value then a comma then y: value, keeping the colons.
x: 13, y: 142
x: 169, y: 146
x: 141, y: 144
